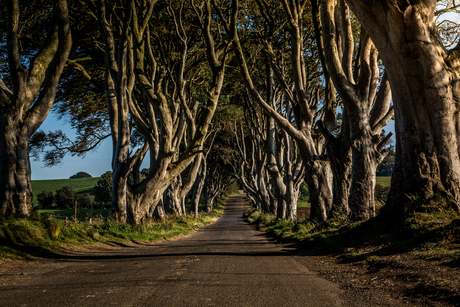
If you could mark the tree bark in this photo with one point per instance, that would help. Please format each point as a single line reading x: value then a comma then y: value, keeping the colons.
x: 173, y: 198
x: 16, y: 193
x: 198, y: 188
x: 424, y: 79
x: 24, y: 108
x: 366, y: 111
x: 310, y: 143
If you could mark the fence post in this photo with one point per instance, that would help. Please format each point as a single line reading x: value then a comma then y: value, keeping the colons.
x: 75, y: 209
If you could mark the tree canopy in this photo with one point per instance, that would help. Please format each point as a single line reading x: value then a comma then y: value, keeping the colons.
x: 272, y: 93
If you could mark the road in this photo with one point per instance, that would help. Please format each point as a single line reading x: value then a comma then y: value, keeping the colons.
x: 227, y: 263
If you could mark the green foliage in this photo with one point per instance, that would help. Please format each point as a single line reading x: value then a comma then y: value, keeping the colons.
x: 232, y: 189
x: 103, y: 188
x: 303, y: 204
x: 64, y: 197
x: 81, y: 175
x: 85, y: 201
x: 427, y: 225
x: 52, y: 227
x: 45, y: 199
x: 384, y: 180
x: 82, y: 214
x: 382, y: 187
x: 304, y: 193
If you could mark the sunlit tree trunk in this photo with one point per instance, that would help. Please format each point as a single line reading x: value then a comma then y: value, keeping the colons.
x: 196, y: 195
x: 367, y: 106
x: 424, y: 79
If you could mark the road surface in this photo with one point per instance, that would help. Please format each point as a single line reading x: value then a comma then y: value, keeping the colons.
x: 227, y: 263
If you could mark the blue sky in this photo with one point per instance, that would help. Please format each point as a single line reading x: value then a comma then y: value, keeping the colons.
x: 94, y: 163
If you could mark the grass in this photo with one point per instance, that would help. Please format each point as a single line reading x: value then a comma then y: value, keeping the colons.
x: 82, y: 214
x: 80, y: 186
x: 431, y: 231
x: 383, y: 180
x: 428, y: 232
x: 39, y: 235
x: 303, y: 204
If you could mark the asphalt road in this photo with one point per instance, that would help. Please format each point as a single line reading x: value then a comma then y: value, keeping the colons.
x: 227, y: 263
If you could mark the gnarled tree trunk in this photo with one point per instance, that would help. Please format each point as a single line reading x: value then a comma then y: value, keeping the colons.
x: 304, y: 103
x: 16, y: 191
x: 424, y: 79
x: 24, y: 107
x: 367, y: 106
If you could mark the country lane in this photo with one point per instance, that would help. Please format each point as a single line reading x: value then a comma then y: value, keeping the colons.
x: 227, y: 263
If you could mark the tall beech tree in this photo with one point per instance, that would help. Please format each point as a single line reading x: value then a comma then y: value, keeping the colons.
x: 282, y: 169
x: 424, y: 78
x: 367, y: 108
x: 148, y: 71
x: 26, y: 97
x: 200, y: 178
x: 251, y: 159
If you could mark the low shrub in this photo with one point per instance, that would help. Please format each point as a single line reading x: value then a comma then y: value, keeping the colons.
x: 45, y: 199
x: 85, y: 201
x: 64, y: 197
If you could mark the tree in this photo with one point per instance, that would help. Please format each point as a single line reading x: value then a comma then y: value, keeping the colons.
x: 366, y: 98
x: 85, y: 201
x: 45, y: 199
x: 424, y: 78
x: 272, y: 171
x: 147, y: 87
x: 81, y: 175
x: 26, y: 96
x: 80, y: 98
x: 298, y: 78
x: 64, y: 197
x: 103, y: 188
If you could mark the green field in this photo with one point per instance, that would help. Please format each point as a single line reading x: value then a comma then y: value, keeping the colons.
x: 384, y: 180
x: 80, y: 186
x: 303, y: 203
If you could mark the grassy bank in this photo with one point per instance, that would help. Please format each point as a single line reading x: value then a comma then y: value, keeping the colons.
x: 421, y: 252
x: 40, y: 235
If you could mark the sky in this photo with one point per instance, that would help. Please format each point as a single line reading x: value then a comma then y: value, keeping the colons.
x: 94, y: 163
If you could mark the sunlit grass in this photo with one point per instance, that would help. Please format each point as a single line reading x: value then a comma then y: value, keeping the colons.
x: 384, y: 180
x: 303, y: 204
x: 36, y: 235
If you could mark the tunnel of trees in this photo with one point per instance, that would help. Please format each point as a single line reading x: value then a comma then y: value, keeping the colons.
x: 273, y: 95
